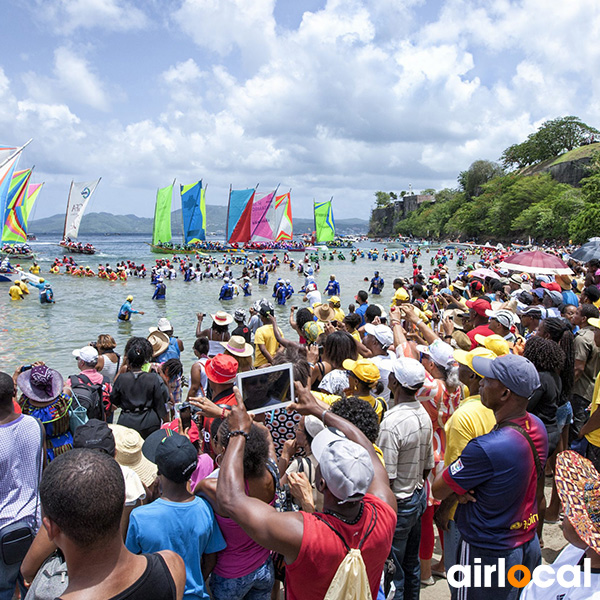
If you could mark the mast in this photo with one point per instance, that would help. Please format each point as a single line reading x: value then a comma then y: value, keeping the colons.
x: 17, y: 151
x: 67, y: 211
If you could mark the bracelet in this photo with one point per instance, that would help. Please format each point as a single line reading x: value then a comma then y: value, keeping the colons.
x: 419, y: 322
x: 323, y: 414
x: 223, y: 416
x: 447, y: 336
x: 238, y: 432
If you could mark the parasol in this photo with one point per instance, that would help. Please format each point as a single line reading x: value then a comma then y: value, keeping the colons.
x: 588, y: 251
x: 536, y: 262
x: 483, y: 273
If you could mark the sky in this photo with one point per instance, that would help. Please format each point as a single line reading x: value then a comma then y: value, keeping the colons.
x: 327, y: 97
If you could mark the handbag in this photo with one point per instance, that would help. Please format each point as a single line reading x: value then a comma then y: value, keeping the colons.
x: 16, y: 538
x: 77, y: 415
x: 51, y: 580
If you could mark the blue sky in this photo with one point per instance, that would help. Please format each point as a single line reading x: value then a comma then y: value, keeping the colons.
x: 327, y: 97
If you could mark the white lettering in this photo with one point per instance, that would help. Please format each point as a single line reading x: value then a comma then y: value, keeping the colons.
x: 477, y: 573
x: 587, y: 572
x: 574, y: 581
x: 465, y: 581
x: 543, y: 576
x: 487, y: 577
x: 501, y: 572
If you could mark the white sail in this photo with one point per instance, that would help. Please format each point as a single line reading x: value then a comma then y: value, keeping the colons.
x: 79, y: 196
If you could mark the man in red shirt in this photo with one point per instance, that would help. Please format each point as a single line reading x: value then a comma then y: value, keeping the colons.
x: 358, y: 507
x: 478, y: 319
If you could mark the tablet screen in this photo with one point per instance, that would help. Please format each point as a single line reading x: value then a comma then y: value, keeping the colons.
x: 267, y: 389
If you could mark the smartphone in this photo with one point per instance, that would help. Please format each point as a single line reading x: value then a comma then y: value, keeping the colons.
x: 26, y: 368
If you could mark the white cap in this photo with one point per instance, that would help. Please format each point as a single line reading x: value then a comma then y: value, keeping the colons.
x: 409, y: 373
x: 88, y: 354
x: 441, y: 354
x: 503, y: 316
x: 226, y: 279
x: 164, y: 324
x: 382, y: 333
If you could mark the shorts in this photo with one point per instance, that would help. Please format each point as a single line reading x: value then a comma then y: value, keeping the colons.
x: 564, y: 415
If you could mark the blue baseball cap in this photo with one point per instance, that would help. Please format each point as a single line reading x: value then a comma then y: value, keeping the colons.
x: 515, y: 372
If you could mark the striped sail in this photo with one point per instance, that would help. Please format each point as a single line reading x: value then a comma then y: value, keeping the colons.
x: 283, y: 218
x: 264, y: 218
x: 15, y: 227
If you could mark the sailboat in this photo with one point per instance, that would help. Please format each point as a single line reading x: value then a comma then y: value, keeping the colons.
x: 80, y: 195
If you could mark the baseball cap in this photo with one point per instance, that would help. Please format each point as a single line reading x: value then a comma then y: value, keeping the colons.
x: 496, y: 343
x: 164, y: 325
x: 129, y: 298
x: 515, y: 372
x: 364, y: 369
x: 173, y: 454
x: 87, y: 354
x: 535, y: 312
x: 382, y: 333
x: 96, y: 435
x: 313, y: 425
x: 221, y: 369
x: 409, y: 373
x: 440, y: 353
x: 557, y: 298
x: 552, y: 286
x: 505, y: 317
x: 480, y: 306
x: 466, y: 358
x: 345, y: 465
x: 239, y: 314
x: 402, y: 295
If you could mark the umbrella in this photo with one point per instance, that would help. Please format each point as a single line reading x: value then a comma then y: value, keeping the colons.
x: 588, y: 251
x: 536, y: 262
x: 483, y: 273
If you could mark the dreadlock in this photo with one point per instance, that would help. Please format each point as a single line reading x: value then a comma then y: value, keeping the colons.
x: 559, y: 330
x: 545, y: 354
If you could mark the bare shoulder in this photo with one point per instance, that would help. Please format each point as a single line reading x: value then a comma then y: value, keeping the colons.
x: 176, y: 567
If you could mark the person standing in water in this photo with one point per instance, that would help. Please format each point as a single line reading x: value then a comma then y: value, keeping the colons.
x: 126, y: 311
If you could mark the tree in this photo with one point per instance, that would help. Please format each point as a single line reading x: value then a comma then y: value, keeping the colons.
x: 550, y: 140
x: 383, y: 199
x: 480, y: 172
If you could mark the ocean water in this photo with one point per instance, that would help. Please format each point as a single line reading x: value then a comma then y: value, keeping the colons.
x: 87, y: 307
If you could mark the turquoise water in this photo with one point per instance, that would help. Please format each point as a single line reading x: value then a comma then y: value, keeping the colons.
x: 86, y: 307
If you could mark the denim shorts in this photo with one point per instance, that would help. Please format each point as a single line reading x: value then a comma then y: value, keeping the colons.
x: 254, y: 586
x: 564, y: 415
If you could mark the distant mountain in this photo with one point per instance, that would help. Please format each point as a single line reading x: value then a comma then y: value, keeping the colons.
x: 101, y: 223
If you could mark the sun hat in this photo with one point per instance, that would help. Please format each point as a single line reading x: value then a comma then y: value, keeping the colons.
x: 40, y: 383
x: 382, y: 333
x: 345, y: 465
x: 594, y: 322
x: 401, y: 294
x: 578, y: 486
x: 160, y: 342
x: 239, y: 314
x: 173, y: 454
x: 312, y: 330
x: 95, y: 434
x: 565, y: 282
x: 162, y: 325
x: 505, y: 317
x: 459, y: 285
x: 461, y: 339
x: 324, y: 312
x: 441, y: 354
x: 364, y: 369
x: 466, y: 358
x: 515, y: 278
x: 88, y: 354
x: 237, y: 346
x: 496, y: 343
x: 515, y: 372
x: 409, y: 373
x: 222, y: 318
x: 480, y: 306
x: 129, y: 453
x: 221, y: 369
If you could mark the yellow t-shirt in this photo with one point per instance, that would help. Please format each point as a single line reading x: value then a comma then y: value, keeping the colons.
x: 338, y: 314
x: 265, y: 335
x: 15, y: 292
x: 470, y: 420
x: 594, y: 436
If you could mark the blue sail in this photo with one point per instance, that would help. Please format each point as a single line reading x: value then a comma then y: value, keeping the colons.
x: 193, y: 212
x: 238, y: 201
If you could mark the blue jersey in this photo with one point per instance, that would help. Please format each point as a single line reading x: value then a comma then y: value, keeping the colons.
x: 500, y: 468
x: 126, y: 311
x: 332, y: 288
x: 281, y: 294
x: 160, y: 292
x: 360, y: 311
x: 226, y: 292
x: 263, y: 278
x: 246, y: 288
x: 376, y: 285
x: 289, y: 290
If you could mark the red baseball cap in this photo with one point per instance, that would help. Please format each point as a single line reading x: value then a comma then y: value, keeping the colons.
x: 221, y: 369
x: 479, y: 306
x: 552, y: 286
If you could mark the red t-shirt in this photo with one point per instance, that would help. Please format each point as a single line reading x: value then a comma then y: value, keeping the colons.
x: 483, y: 330
x: 322, y: 552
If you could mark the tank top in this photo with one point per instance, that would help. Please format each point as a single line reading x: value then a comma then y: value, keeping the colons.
x: 155, y: 583
x: 109, y: 370
x: 172, y: 351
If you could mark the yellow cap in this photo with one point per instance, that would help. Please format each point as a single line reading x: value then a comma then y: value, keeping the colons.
x: 335, y: 300
x: 466, y: 358
x: 364, y: 369
x: 496, y: 343
x: 402, y: 295
x: 42, y: 280
x: 594, y: 322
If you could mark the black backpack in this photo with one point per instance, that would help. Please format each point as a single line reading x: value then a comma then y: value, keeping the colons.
x: 90, y: 395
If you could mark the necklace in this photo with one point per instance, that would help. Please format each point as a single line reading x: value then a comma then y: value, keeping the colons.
x: 347, y: 521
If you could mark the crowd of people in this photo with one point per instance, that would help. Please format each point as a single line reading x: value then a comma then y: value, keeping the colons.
x: 460, y: 416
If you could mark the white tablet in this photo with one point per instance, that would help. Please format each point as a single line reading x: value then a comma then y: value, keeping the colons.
x: 267, y: 389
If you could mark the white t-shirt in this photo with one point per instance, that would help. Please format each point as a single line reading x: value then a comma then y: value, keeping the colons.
x: 314, y: 296
x: 384, y: 364
x: 569, y: 556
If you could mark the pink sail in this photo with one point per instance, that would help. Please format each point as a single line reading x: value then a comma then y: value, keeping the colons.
x: 263, y: 218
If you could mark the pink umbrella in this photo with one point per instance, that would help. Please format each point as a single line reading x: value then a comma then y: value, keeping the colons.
x: 483, y: 273
x: 536, y: 262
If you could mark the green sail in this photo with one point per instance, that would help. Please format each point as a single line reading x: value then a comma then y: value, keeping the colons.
x: 324, y: 223
x: 162, y: 215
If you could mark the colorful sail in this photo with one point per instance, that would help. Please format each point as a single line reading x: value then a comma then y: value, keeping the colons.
x: 324, y: 223
x: 162, y: 215
x: 263, y: 218
x: 239, y: 215
x: 8, y: 162
x: 283, y: 218
x: 14, y: 227
x: 79, y: 196
x: 193, y: 208
x: 33, y: 191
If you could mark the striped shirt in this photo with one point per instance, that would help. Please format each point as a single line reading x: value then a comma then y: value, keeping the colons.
x: 20, y: 471
x: 406, y: 440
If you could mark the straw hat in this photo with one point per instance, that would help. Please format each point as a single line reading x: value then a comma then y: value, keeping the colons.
x: 129, y: 453
x: 160, y: 342
x: 324, y: 312
x: 222, y: 318
x: 564, y: 281
x: 237, y: 346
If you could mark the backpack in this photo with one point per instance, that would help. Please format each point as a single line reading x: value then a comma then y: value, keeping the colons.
x: 351, y: 581
x: 94, y: 397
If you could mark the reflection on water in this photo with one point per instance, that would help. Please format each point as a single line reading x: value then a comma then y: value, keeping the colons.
x: 84, y: 308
